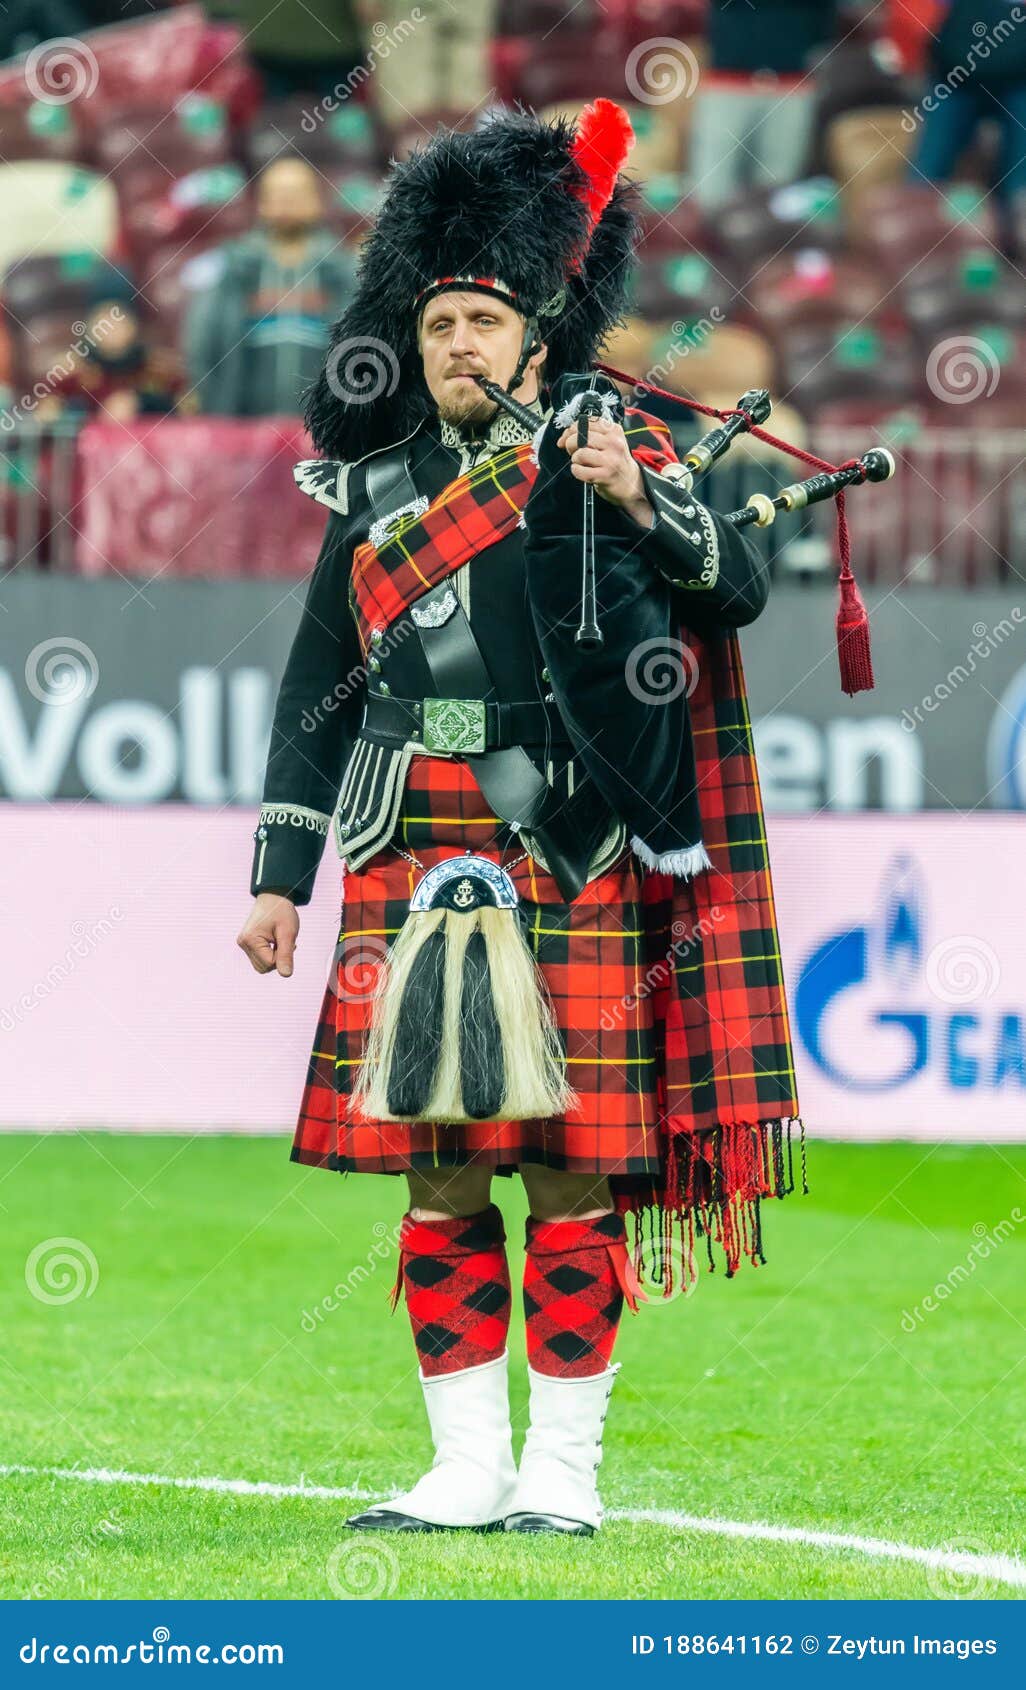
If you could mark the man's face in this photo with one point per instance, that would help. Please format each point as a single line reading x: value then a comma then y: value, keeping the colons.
x: 288, y: 197
x: 466, y: 334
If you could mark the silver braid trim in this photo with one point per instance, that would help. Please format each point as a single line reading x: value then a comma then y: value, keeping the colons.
x: 297, y: 815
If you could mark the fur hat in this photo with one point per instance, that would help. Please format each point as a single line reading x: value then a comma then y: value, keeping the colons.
x: 532, y: 211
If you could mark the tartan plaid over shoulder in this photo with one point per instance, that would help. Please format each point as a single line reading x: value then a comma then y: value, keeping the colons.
x: 715, y: 970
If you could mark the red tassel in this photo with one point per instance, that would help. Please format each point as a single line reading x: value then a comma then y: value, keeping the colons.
x: 853, y: 654
x: 627, y: 1278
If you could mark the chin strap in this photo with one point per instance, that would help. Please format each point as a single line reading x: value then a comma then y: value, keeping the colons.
x: 530, y: 345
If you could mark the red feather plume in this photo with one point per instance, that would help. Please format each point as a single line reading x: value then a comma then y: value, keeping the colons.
x: 600, y: 146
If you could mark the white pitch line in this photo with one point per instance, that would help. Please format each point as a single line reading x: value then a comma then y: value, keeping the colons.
x: 999, y: 1569
x: 232, y: 1487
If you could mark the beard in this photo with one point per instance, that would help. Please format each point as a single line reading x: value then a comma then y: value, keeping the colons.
x: 462, y: 405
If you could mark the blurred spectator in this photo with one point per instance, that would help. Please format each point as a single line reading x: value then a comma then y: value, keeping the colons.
x: 755, y: 98
x: 117, y: 372
x: 976, y: 70
x: 297, y: 48
x: 256, y: 332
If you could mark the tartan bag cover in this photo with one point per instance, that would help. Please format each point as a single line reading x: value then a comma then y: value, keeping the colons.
x: 728, y: 1089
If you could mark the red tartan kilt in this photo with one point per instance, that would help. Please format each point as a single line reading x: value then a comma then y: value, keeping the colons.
x: 592, y: 956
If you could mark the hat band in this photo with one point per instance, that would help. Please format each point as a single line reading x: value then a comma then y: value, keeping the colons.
x: 466, y: 284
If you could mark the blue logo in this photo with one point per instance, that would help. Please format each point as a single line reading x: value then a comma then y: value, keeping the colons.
x: 874, y: 1009
x: 1006, y: 747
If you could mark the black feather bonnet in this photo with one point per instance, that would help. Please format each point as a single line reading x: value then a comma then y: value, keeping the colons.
x: 533, y: 211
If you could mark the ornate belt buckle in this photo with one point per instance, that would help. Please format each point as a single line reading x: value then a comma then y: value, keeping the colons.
x: 454, y: 725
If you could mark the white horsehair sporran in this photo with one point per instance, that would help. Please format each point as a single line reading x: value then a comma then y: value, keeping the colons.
x: 462, y: 1028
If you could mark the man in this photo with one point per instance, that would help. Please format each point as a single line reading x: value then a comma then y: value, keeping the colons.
x: 254, y: 333
x: 534, y: 893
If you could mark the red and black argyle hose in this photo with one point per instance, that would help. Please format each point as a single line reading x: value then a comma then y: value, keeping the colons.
x: 577, y: 1276
x: 457, y: 1289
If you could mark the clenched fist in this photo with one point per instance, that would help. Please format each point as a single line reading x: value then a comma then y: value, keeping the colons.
x: 269, y: 936
x: 606, y: 461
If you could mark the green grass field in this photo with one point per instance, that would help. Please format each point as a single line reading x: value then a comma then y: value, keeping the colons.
x: 793, y: 1395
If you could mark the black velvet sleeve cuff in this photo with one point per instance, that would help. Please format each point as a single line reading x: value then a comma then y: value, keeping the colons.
x: 714, y: 564
x: 289, y: 844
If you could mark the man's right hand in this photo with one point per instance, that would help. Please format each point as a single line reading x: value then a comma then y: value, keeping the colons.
x: 269, y: 936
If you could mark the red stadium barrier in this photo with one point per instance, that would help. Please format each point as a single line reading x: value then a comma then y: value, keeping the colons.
x: 204, y: 497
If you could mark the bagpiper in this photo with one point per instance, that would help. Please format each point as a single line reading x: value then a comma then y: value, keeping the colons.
x: 516, y: 697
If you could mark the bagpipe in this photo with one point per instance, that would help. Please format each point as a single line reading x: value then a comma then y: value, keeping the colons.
x: 760, y: 511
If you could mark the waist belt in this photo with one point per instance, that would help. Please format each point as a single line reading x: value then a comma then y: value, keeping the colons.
x: 452, y: 727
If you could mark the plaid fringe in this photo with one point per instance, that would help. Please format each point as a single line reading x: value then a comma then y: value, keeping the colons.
x: 713, y: 1188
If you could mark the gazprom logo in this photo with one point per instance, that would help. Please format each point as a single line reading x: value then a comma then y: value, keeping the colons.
x: 876, y: 1005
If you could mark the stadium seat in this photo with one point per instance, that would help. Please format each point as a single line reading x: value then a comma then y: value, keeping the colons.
x: 51, y: 282
x: 762, y: 222
x: 52, y: 207
x: 41, y: 130
x: 687, y: 286
x: 564, y: 74
x: 855, y: 361
x: 629, y: 347
x: 351, y: 199
x: 727, y: 359
x: 980, y: 286
x: 902, y: 222
x: 806, y: 286
x: 672, y: 222
x: 213, y: 202
x: 142, y: 155
x: 540, y: 19
x: 342, y: 138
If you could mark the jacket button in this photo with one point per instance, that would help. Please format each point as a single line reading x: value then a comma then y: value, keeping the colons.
x: 377, y: 635
x: 384, y: 689
x: 261, y: 833
x: 345, y: 827
x: 689, y: 510
x: 373, y: 664
x: 545, y: 675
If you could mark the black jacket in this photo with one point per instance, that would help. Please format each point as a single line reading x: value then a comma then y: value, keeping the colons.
x: 320, y: 766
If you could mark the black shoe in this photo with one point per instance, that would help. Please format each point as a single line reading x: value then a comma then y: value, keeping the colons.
x: 548, y: 1523
x: 387, y: 1520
